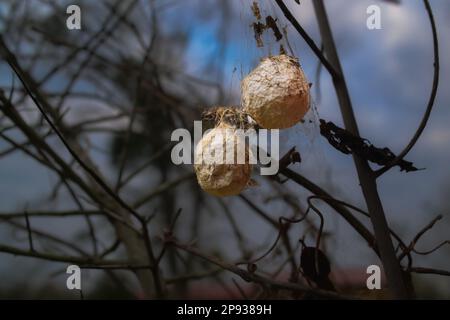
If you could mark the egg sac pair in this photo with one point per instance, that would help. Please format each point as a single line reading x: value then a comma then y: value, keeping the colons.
x: 276, y: 96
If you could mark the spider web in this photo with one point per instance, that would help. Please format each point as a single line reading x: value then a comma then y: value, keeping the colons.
x: 305, y: 136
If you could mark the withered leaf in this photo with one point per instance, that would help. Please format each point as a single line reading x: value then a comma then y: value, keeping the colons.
x: 272, y: 24
x: 256, y: 11
x: 316, y: 267
x: 348, y: 143
x: 259, y: 28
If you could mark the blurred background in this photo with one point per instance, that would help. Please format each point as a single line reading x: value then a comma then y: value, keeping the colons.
x: 138, y: 69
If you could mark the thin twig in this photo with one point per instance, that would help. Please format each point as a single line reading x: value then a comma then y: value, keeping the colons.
x: 413, y: 242
x: 253, y: 277
x: 344, y: 212
x: 30, y: 236
x: 431, y: 100
x: 58, y: 258
x: 430, y: 271
x: 46, y: 214
x: 307, y: 38
x: 241, y: 291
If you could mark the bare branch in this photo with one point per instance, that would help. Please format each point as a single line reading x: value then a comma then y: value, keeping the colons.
x: 252, y: 277
x: 430, y: 271
x: 58, y: 258
x: 307, y: 38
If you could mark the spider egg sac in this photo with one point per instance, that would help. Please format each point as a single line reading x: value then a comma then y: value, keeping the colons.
x: 221, y: 178
x: 276, y: 93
